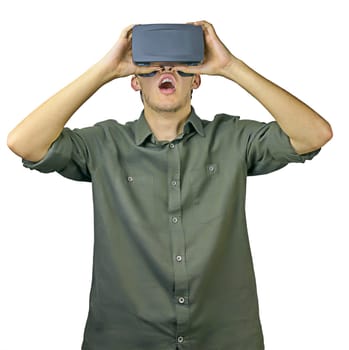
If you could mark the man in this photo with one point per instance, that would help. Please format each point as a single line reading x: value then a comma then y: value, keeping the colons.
x: 172, y: 263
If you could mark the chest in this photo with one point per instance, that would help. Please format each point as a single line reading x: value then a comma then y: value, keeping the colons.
x: 183, y: 179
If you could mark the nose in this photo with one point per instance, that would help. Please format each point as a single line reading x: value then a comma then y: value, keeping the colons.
x: 166, y: 68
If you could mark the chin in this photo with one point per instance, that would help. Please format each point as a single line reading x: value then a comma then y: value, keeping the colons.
x: 165, y: 105
x: 168, y: 109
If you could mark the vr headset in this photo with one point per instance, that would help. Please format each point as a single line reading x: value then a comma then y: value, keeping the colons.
x: 167, y: 43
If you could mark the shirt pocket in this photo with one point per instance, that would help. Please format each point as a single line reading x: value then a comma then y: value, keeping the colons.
x: 207, y: 187
x: 140, y: 195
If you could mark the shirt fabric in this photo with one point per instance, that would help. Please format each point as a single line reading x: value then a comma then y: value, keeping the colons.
x: 172, y: 266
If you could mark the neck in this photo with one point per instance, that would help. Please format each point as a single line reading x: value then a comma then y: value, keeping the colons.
x: 166, y: 126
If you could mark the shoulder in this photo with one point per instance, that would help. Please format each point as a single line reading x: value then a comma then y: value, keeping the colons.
x: 98, y: 136
x: 104, y: 129
x: 228, y: 124
x: 223, y: 118
x: 109, y: 124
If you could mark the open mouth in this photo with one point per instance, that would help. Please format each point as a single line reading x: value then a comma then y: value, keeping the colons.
x: 167, y: 85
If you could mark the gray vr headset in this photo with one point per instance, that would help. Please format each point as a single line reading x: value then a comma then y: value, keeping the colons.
x: 167, y: 43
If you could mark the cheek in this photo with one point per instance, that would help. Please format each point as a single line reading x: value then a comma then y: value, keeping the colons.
x: 188, y: 88
x: 148, y: 87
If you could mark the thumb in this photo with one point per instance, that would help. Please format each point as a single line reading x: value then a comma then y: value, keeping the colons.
x: 189, y: 69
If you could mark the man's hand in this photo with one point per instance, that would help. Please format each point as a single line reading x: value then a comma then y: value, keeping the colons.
x: 217, y: 58
x: 118, y: 62
x: 307, y: 130
x: 33, y: 136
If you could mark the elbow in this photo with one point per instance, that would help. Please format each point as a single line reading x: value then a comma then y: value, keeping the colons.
x: 313, y: 140
x: 16, y: 145
x: 22, y: 149
x: 319, y: 135
x: 322, y: 135
x: 325, y: 134
x: 12, y: 143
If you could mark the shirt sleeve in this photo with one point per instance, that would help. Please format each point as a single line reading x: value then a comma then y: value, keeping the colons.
x: 69, y: 155
x: 269, y: 148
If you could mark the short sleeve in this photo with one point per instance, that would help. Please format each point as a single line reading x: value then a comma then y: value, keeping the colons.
x: 269, y: 149
x: 68, y: 155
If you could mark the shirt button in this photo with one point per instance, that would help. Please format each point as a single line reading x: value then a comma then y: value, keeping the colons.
x: 181, y: 300
x: 174, y: 220
x: 171, y: 145
x: 174, y: 183
x: 211, y: 168
x: 178, y: 258
x: 130, y: 179
x: 180, y: 339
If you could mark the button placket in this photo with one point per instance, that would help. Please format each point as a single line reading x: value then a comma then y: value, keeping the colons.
x: 177, y: 236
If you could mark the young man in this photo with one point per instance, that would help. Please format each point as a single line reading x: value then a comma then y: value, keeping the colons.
x: 172, y: 263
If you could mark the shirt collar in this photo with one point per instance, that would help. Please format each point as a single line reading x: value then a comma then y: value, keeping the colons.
x: 143, y: 131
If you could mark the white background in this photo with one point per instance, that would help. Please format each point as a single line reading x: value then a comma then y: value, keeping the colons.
x: 297, y: 216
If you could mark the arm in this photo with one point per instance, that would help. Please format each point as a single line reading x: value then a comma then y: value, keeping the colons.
x: 33, y: 136
x: 306, y: 129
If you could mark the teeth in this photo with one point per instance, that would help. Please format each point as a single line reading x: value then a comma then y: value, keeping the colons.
x: 166, y: 80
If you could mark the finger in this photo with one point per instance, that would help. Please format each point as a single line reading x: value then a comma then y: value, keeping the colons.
x: 203, y: 24
x: 189, y: 69
x: 207, y: 28
x: 126, y: 32
x: 146, y: 69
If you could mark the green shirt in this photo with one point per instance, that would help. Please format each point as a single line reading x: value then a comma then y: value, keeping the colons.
x: 172, y: 265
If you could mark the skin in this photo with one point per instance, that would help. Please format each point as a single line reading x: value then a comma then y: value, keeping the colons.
x: 307, y: 130
x: 167, y: 113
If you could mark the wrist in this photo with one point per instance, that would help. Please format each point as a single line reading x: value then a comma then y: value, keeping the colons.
x: 98, y: 73
x: 233, y: 69
x: 105, y: 71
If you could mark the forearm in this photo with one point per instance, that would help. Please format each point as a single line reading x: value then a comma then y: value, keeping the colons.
x: 32, y: 137
x: 306, y: 129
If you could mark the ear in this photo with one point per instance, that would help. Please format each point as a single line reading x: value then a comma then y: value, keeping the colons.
x: 135, y: 83
x: 196, y: 81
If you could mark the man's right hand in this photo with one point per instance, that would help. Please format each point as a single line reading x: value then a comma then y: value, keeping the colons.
x: 118, y: 61
x: 33, y: 136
